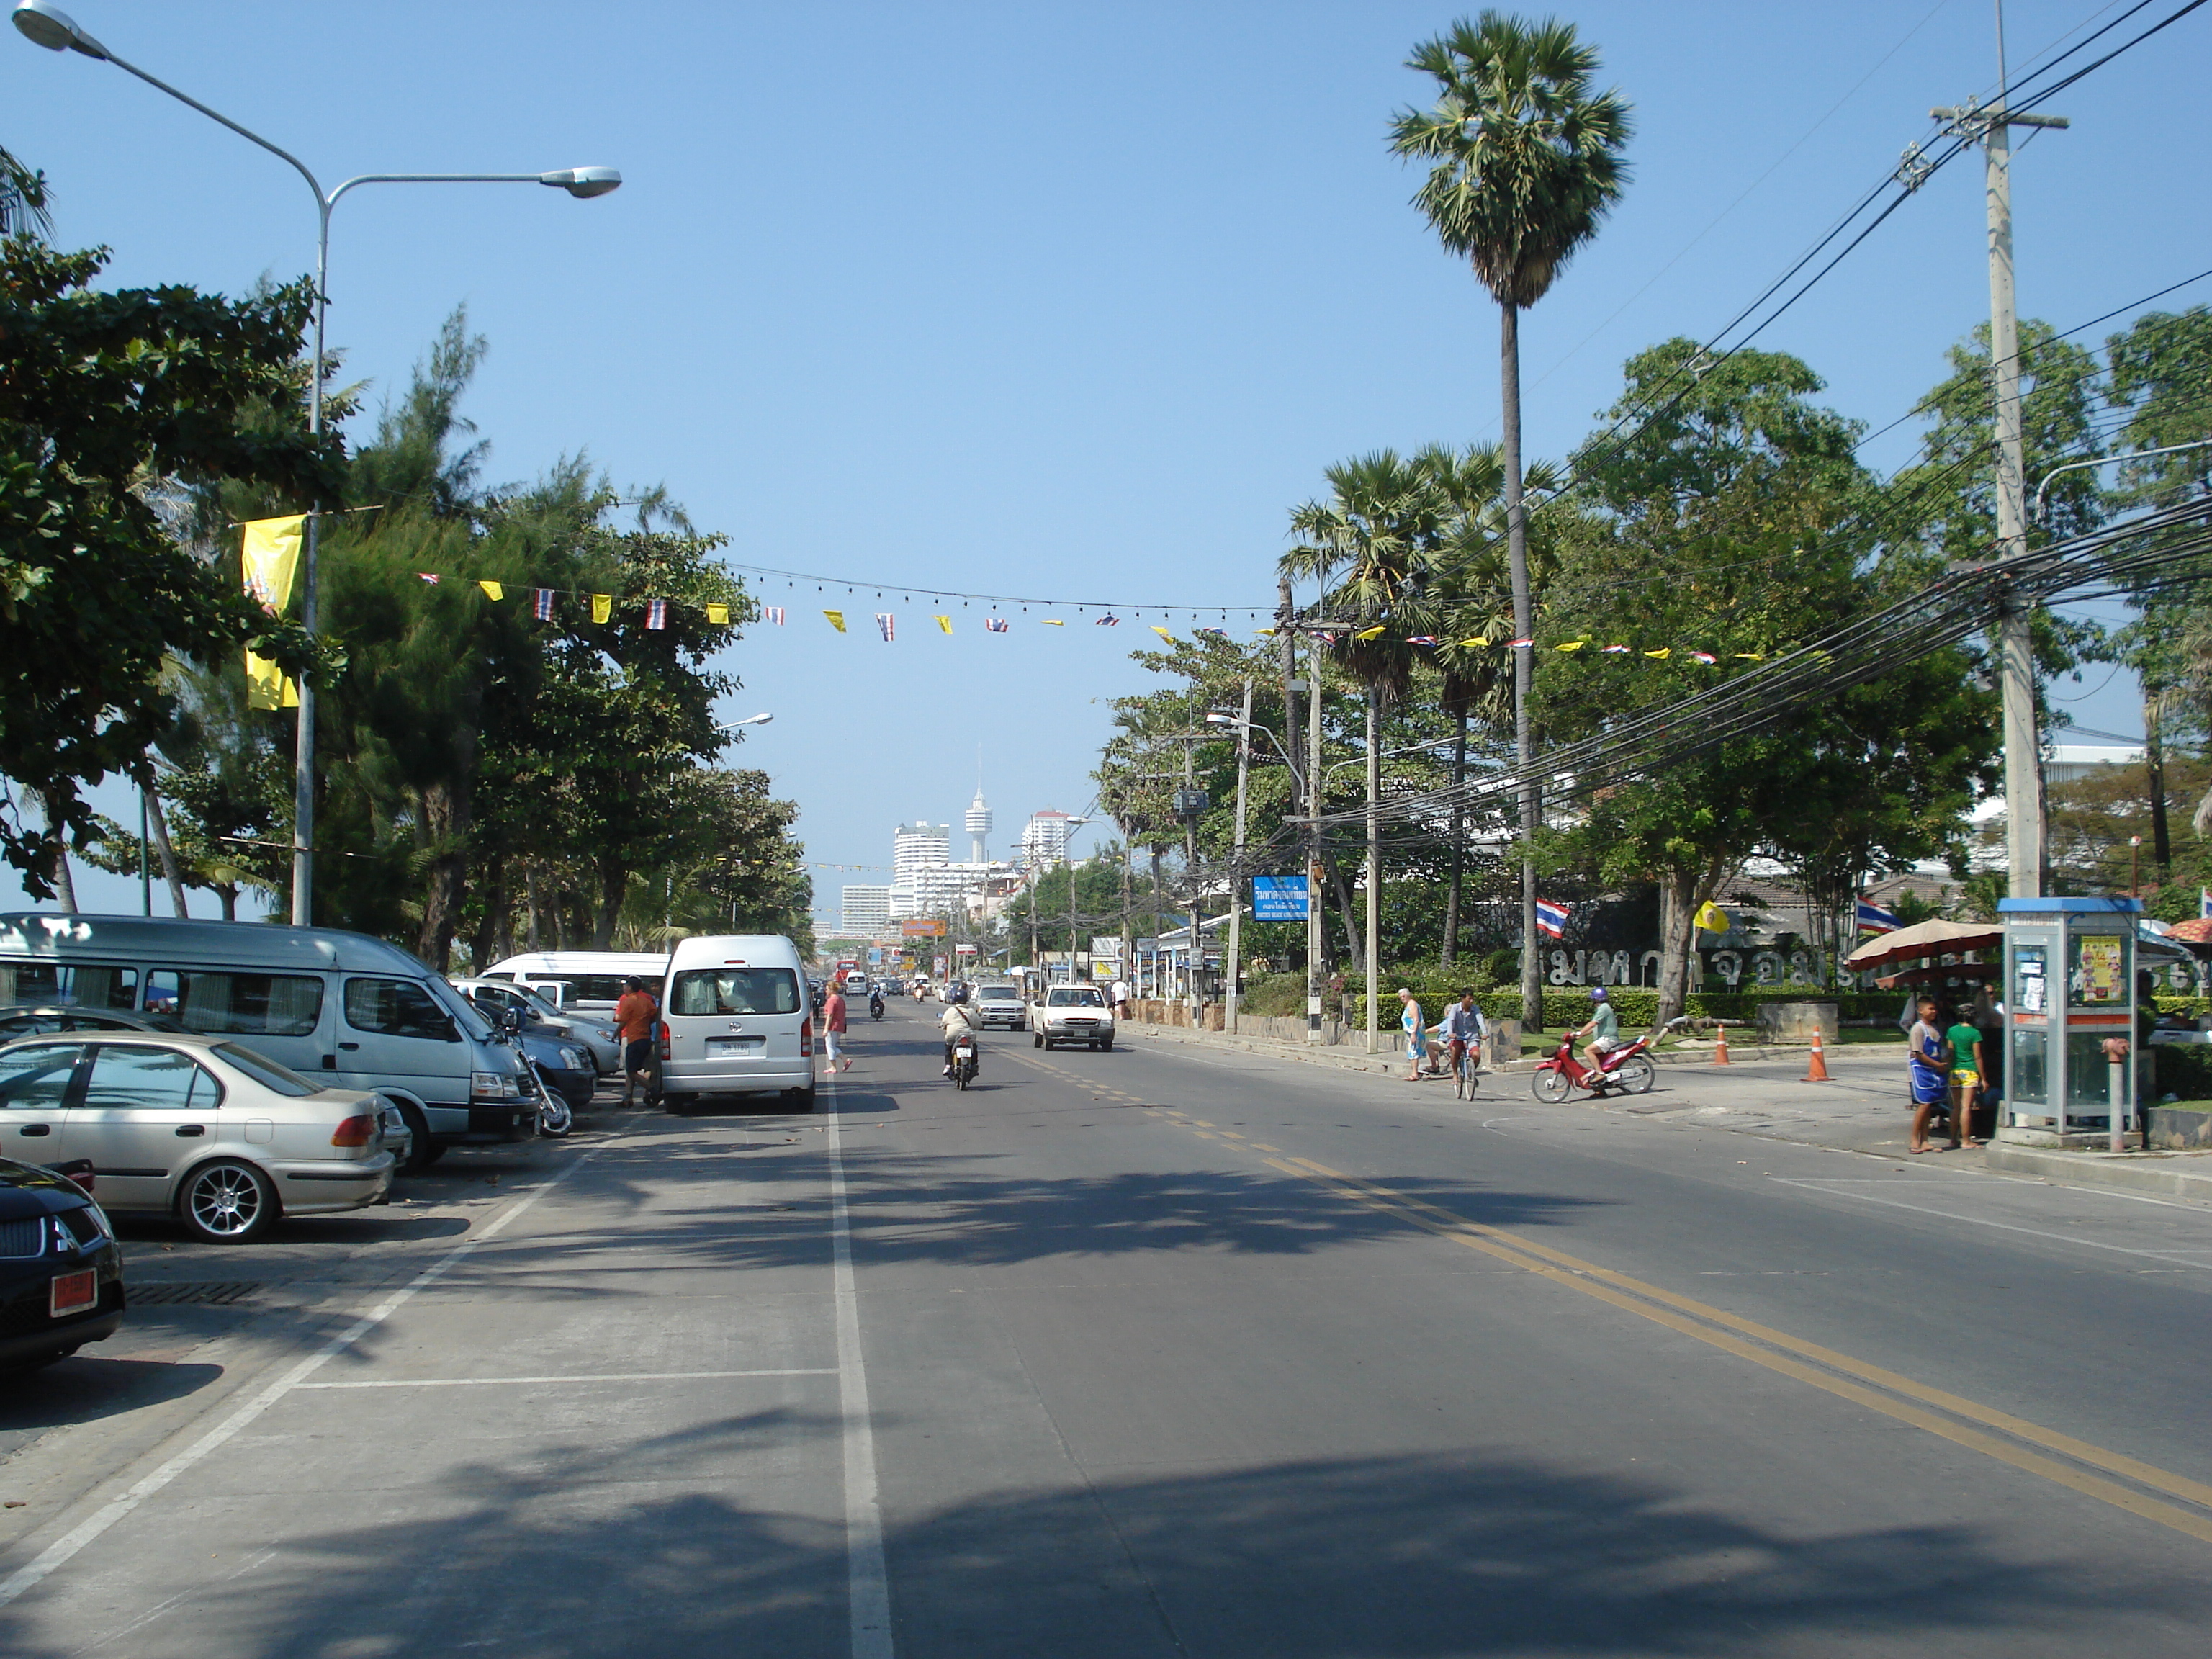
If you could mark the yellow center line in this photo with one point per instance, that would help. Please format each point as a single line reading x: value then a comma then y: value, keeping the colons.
x: 1634, y: 1296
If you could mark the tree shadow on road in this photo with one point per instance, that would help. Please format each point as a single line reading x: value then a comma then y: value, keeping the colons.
x: 652, y: 1546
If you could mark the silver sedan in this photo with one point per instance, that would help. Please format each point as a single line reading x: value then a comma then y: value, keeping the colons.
x: 198, y: 1127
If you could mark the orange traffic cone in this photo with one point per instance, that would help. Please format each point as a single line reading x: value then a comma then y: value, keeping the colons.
x: 1818, y: 1071
x: 1720, y: 1054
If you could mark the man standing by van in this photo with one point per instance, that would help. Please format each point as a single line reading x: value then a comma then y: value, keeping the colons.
x: 634, y: 1015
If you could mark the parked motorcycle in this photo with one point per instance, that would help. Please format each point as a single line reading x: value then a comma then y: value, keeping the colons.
x: 1630, y: 1069
x: 963, y: 1063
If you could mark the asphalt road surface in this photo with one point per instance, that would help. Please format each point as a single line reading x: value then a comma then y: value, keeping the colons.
x: 1154, y: 1352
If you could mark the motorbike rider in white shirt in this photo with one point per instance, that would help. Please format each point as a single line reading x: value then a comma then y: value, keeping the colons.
x: 960, y: 1020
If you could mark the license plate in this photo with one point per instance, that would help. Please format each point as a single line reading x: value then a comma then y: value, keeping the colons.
x: 723, y: 1048
x: 73, y: 1293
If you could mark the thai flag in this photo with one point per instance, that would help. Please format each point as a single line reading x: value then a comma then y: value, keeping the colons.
x: 656, y: 613
x: 1552, y: 919
x: 1704, y: 656
x: 1420, y: 639
x: 995, y: 624
x: 429, y: 576
x: 1106, y: 622
x: 540, y: 604
x: 1520, y: 645
x: 1873, y: 919
x: 1616, y: 650
x: 884, y: 625
x: 772, y: 613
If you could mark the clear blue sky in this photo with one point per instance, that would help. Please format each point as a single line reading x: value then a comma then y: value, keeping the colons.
x: 1075, y: 301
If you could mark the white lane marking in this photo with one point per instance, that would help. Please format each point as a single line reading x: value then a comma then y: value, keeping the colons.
x: 63, y: 1548
x: 167, y: 1602
x: 597, y: 1377
x: 2002, y: 1226
x: 867, y: 1580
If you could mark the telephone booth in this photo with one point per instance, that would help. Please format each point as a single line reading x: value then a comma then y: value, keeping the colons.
x: 2070, y: 983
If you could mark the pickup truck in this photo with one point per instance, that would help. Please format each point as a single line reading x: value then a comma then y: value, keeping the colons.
x: 1073, y: 1013
x: 1002, y: 1005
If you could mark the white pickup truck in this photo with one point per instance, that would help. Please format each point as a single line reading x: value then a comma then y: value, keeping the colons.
x: 1072, y: 1013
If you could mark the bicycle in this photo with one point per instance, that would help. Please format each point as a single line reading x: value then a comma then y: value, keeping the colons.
x: 1467, y: 1067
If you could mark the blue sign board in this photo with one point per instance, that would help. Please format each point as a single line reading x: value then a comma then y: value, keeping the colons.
x: 1279, y: 898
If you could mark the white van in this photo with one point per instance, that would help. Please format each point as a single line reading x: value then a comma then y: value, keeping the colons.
x: 342, y: 1008
x: 580, y: 979
x: 735, y: 1010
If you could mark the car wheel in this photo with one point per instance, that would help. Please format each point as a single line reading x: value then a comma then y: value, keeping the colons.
x: 1108, y: 1045
x: 227, y: 1202
x: 802, y: 1100
x: 425, y: 1151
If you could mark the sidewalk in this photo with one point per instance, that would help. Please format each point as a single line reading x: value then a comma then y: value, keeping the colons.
x: 1863, y: 1108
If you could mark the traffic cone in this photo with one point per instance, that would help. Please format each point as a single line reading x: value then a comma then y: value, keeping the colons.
x: 1720, y: 1054
x: 1818, y: 1071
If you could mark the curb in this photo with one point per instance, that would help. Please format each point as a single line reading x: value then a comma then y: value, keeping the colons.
x: 2168, y: 1174
x: 1343, y: 1057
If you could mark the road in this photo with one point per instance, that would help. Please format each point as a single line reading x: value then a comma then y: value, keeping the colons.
x: 1155, y: 1352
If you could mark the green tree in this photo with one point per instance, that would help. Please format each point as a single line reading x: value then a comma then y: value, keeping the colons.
x: 1527, y: 160
x: 1732, y: 525
x: 105, y: 399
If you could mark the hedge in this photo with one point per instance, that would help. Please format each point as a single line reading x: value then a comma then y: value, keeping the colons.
x: 2184, y: 1070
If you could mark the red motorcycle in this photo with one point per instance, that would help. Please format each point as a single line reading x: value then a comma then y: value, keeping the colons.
x: 1630, y: 1069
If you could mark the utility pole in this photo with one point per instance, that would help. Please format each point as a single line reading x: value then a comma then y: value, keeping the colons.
x: 1373, y: 874
x: 2023, y: 772
x: 1237, y: 877
x: 1316, y: 940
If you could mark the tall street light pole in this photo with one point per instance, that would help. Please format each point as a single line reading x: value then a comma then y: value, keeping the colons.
x: 47, y: 25
x: 1237, y: 877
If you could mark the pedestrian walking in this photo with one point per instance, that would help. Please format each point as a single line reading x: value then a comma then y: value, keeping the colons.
x: 1417, y: 1034
x: 833, y: 1029
x: 636, y: 1011
x: 1120, y: 999
x: 1929, y: 1055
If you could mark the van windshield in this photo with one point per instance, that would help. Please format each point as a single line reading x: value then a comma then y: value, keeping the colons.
x: 697, y: 991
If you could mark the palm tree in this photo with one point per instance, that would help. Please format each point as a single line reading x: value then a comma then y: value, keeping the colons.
x: 1474, y: 599
x: 1376, y: 540
x: 22, y: 199
x: 1527, y: 160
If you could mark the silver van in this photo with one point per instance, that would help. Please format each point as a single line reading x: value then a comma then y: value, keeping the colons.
x: 735, y: 1009
x: 347, y: 1010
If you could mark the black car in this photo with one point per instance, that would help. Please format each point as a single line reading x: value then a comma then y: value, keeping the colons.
x: 61, y: 1270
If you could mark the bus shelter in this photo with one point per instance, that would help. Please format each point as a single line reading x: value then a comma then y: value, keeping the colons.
x: 2070, y: 1012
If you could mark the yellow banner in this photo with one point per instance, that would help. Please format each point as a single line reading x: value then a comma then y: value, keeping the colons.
x: 1711, y: 919
x: 492, y: 590
x: 268, y: 560
x: 945, y: 622
x: 837, y: 619
x: 719, y: 615
x: 603, y: 606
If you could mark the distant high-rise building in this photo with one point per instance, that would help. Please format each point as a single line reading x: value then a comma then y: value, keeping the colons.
x: 1045, y: 838
x: 865, y: 911
x: 919, y: 851
x: 978, y: 825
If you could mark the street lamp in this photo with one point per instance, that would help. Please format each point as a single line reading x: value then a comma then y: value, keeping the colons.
x: 1067, y: 857
x: 749, y: 720
x: 47, y: 25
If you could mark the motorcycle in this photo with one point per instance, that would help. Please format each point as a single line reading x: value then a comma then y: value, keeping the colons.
x: 1630, y: 1070
x: 964, y: 1062
x: 875, y: 1004
x: 555, y: 1118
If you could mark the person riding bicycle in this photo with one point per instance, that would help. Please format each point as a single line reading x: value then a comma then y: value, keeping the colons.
x: 1602, y: 1029
x: 1463, y: 1031
x: 961, y: 1020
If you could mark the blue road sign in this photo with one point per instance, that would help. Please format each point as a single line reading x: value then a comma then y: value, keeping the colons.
x: 1279, y: 898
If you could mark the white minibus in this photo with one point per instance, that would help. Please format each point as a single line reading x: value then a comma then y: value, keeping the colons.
x: 345, y: 1008
x: 581, y: 979
x: 735, y: 1009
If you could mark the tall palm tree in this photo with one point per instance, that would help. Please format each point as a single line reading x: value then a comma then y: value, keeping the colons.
x: 1473, y: 598
x: 1527, y: 160
x: 1373, y: 548
x: 22, y: 199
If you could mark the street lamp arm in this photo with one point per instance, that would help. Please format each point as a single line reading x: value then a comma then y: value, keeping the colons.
x: 247, y: 133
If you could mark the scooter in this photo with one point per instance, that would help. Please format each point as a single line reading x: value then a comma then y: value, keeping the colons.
x: 875, y: 1004
x: 1630, y: 1070
x: 963, y: 1063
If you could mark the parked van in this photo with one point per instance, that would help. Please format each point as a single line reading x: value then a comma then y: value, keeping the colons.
x: 589, y: 979
x: 343, y: 1008
x: 735, y: 1010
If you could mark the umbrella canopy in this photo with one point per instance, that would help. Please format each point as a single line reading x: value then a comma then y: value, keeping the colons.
x: 2196, y: 930
x: 1925, y: 938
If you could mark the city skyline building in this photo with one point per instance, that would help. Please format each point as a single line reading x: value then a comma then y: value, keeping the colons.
x: 918, y: 851
x: 865, y: 909
x: 977, y: 822
x: 1045, y: 838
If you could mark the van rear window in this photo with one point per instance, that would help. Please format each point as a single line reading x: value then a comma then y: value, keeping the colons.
x: 734, y: 991
x: 589, y: 987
